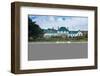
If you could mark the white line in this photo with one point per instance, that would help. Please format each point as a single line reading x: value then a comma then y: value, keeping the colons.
x: 54, y: 42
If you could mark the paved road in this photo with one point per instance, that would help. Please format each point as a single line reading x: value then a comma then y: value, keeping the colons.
x: 52, y: 51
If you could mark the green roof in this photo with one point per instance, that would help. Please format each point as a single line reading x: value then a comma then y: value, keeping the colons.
x: 50, y: 31
x: 73, y: 32
x: 63, y: 29
x: 60, y: 29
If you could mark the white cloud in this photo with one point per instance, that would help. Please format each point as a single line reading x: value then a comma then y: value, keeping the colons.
x: 51, y: 18
x: 74, y: 23
x: 60, y: 19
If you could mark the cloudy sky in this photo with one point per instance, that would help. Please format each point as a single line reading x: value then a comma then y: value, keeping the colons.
x: 72, y: 22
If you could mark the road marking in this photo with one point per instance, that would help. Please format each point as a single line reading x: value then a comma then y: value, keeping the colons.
x: 58, y: 42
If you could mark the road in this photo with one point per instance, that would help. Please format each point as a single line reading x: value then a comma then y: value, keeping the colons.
x: 51, y: 51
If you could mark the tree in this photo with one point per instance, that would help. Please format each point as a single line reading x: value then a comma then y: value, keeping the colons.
x: 34, y: 30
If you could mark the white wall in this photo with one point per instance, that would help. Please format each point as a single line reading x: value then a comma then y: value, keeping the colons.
x: 5, y: 27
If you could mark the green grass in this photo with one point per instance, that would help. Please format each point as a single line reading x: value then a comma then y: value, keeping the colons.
x: 53, y: 39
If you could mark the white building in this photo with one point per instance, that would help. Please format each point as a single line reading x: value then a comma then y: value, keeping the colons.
x: 62, y: 31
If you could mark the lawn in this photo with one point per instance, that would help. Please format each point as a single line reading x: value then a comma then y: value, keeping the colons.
x: 59, y: 39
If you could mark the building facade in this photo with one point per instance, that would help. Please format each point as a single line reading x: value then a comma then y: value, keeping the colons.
x: 62, y: 31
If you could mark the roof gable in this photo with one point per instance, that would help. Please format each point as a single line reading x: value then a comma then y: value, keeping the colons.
x: 63, y: 29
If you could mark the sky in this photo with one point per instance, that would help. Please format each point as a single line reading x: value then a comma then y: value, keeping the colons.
x: 71, y: 22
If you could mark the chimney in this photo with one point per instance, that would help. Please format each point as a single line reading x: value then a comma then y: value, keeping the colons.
x: 58, y: 27
x: 52, y: 27
x: 68, y: 28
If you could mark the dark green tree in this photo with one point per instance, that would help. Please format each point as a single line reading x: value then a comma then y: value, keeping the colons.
x: 34, y: 31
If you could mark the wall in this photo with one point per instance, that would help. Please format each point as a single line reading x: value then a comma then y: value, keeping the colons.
x: 5, y: 33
